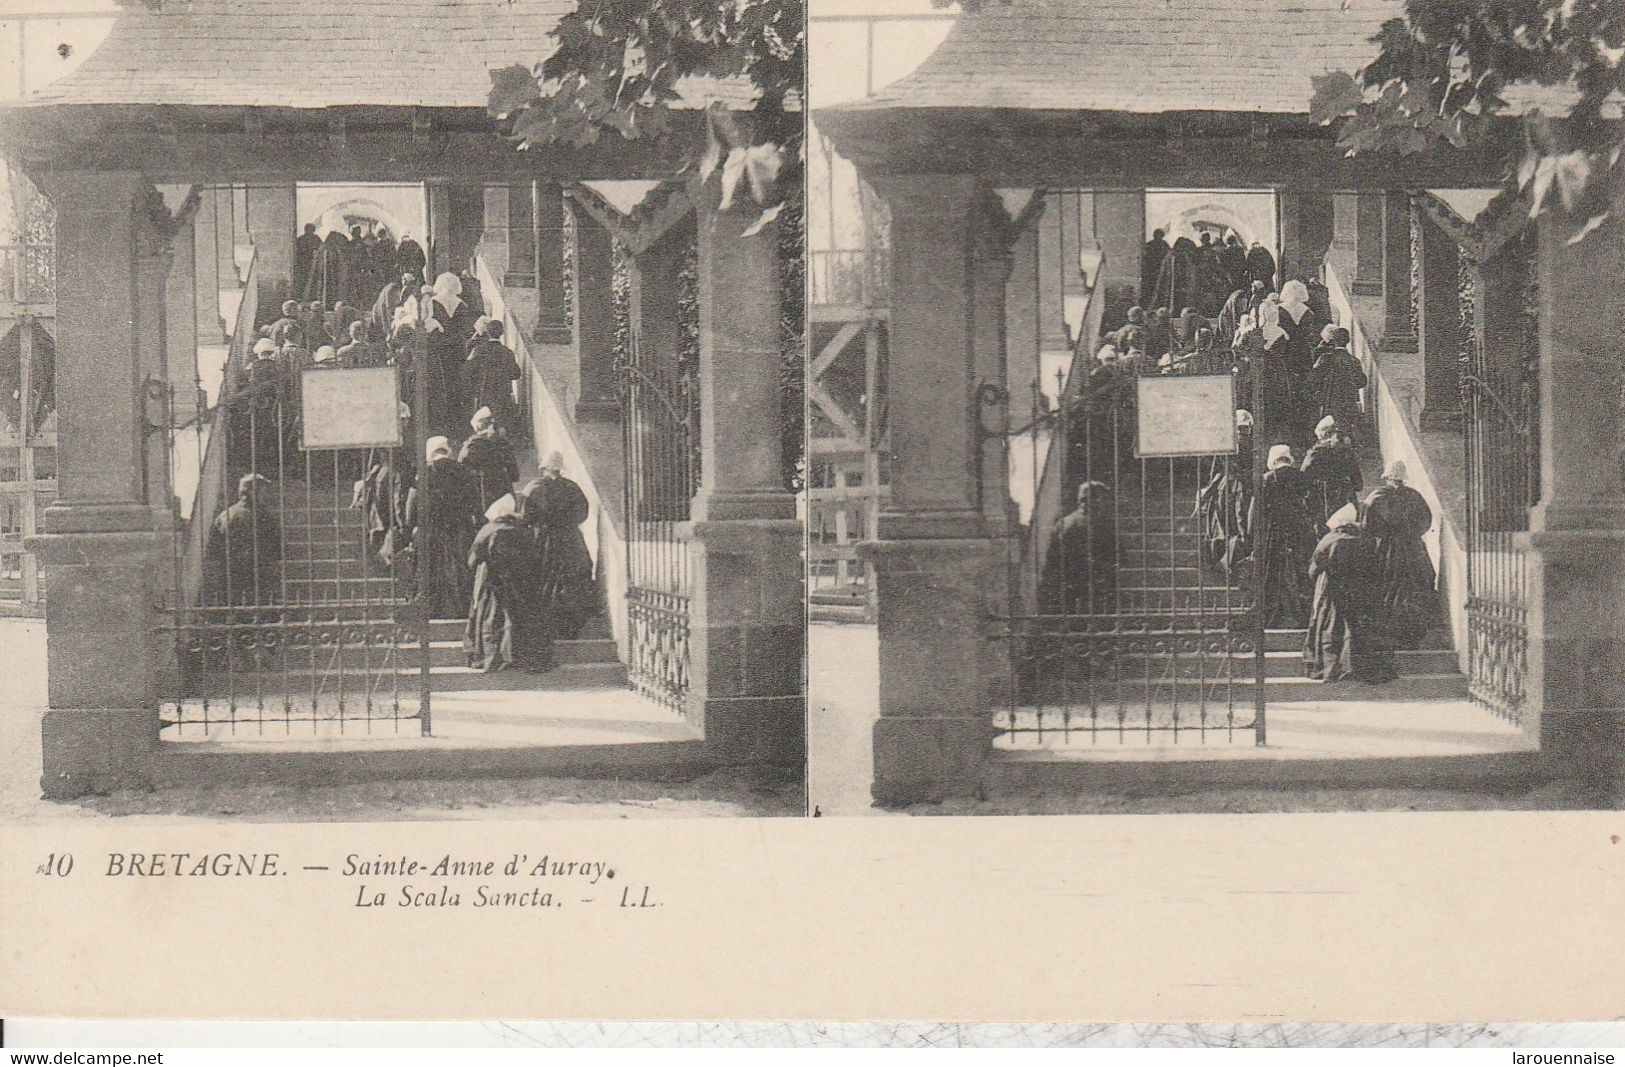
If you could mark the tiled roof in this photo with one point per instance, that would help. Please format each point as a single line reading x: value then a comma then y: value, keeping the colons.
x: 1143, y: 56
x: 314, y: 53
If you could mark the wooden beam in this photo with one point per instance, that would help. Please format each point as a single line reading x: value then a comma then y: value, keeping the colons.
x: 642, y: 229
x: 222, y: 145
x: 832, y: 351
x: 1069, y: 149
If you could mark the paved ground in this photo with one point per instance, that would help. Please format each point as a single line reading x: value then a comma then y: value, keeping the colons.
x: 843, y: 671
x: 23, y: 697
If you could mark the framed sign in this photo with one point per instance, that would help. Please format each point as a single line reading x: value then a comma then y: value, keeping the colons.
x: 1186, y: 416
x: 350, y: 407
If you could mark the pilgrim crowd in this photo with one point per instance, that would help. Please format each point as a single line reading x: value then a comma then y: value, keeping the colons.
x: 510, y: 558
x: 1347, y: 563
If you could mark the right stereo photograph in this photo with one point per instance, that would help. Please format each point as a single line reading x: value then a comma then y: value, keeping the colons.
x: 1204, y: 418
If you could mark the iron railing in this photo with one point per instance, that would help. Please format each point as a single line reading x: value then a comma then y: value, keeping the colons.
x: 1500, y: 399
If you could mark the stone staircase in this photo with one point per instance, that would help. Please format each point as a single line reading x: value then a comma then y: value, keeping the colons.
x: 1183, y: 648
x: 366, y: 636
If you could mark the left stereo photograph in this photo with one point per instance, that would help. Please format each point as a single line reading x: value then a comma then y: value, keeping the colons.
x: 422, y: 439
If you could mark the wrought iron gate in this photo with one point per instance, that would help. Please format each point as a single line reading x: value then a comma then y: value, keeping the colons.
x: 1124, y: 621
x: 660, y: 427
x: 293, y: 605
x: 1501, y: 400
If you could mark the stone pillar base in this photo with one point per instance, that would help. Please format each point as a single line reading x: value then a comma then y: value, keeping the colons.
x: 93, y: 751
x: 1398, y: 342
x: 940, y: 668
x: 922, y: 759
x: 757, y: 731
x: 1577, y: 644
x: 748, y: 644
x: 1363, y: 287
x: 553, y: 333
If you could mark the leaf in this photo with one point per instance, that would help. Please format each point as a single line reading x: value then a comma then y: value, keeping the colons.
x: 1545, y: 174
x: 1573, y: 170
x: 1336, y: 95
x: 762, y: 167
x: 766, y: 217
x: 711, y: 158
x: 1591, y: 224
x: 733, y: 168
x: 513, y: 88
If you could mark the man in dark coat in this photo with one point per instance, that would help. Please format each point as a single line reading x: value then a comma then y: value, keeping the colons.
x: 305, y: 247
x: 1156, y: 250
x: 489, y: 372
x: 1261, y: 265
x: 1347, y: 634
x: 489, y: 457
x: 1333, y: 467
x: 410, y: 257
x: 357, y: 351
x: 1080, y: 571
x: 1335, y: 381
x: 1233, y: 258
x: 1396, y: 517
x: 290, y: 327
x: 243, y: 558
x: 330, y: 275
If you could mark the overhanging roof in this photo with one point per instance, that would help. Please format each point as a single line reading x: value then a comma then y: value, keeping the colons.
x: 356, y: 90
x: 1136, y: 93
x: 1141, y: 56
x: 313, y: 54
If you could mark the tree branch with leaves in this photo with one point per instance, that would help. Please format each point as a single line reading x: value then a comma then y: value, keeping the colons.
x: 625, y: 67
x: 1463, y: 73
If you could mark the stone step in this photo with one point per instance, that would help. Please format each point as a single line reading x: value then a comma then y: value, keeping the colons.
x: 1278, y: 663
x: 295, y: 681
x: 323, y: 536
x: 314, y: 566
x: 1106, y: 690
x: 1162, y: 598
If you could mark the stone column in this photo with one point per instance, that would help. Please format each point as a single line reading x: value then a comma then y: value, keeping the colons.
x: 212, y: 254
x: 547, y: 216
x: 101, y: 553
x: 937, y: 564
x: 1398, y: 335
x: 1052, y: 268
x: 181, y: 315
x: 1577, y: 531
x: 518, y: 209
x: 595, y: 319
x: 1312, y: 219
x: 465, y: 224
x: 749, y: 623
x: 272, y: 222
x: 1439, y: 326
x: 498, y: 237
x: 1120, y: 229
x: 437, y: 243
x: 1290, y: 263
x: 1368, y: 245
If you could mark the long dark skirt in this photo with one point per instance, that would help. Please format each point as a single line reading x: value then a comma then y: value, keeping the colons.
x: 505, y: 627
x: 443, y: 570
x: 1408, y: 593
x: 1344, y: 641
